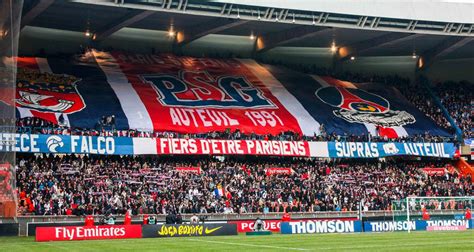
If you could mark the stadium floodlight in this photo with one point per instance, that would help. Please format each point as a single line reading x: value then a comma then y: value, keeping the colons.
x: 333, y: 47
x: 171, y: 31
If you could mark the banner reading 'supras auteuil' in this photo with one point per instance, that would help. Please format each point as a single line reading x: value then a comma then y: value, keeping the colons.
x: 199, y: 95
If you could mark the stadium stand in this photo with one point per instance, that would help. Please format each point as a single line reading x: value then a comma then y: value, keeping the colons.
x: 75, y: 185
x: 38, y: 126
x: 130, y: 119
x: 458, y: 98
x: 107, y: 123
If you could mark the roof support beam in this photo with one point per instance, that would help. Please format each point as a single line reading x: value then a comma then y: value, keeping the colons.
x: 125, y: 21
x: 271, y: 40
x: 35, y: 11
x: 347, y: 51
x: 185, y: 37
x: 445, y: 47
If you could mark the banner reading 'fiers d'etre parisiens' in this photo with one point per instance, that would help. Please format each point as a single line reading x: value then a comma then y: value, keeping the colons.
x: 101, y: 145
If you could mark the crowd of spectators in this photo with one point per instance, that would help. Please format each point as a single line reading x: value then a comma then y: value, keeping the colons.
x: 458, y: 99
x: 38, y: 126
x: 78, y: 185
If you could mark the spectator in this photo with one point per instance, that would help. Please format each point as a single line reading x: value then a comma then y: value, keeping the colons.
x: 95, y: 185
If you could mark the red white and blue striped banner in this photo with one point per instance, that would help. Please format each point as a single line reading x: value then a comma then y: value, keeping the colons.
x: 199, y: 95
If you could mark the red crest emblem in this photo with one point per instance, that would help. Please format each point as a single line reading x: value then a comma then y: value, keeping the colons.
x: 47, y: 92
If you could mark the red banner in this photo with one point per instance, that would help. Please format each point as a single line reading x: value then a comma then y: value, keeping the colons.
x: 74, y: 233
x: 270, y: 225
x: 278, y: 171
x: 434, y: 171
x: 196, y: 170
x: 196, y: 95
x: 231, y: 147
x: 446, y: 228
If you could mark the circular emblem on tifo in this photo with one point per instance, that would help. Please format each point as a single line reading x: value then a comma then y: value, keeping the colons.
x: 353, y: 99
x: 359, y: 106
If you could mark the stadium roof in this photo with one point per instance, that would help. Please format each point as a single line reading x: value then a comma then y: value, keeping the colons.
x: 354, y: 34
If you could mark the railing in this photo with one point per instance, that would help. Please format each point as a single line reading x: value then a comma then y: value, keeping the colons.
x: 233, y: 216
x: 137, y: 132
x: 365, y: 215
x: 446, y: 114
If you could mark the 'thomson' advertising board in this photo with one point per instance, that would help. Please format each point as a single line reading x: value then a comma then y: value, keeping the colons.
x: 444, y: 225
x: 388, y: 226
x: 271, y: 225
x: 315, y: 227
x: 74, y: 233
x: 420, y: 225
x: 185, y: 230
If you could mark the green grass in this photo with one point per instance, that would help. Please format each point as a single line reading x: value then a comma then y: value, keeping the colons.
x: 398, y: 241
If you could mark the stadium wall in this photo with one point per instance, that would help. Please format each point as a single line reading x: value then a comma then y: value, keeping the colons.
x: 297, y: 56
x: 9, y: 229
x: 26, y: 224
x: 452, y: 70
x: 382, y: 65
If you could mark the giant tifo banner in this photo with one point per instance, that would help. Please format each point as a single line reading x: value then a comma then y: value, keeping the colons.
x: 198, y: 95
x: 172, y: 146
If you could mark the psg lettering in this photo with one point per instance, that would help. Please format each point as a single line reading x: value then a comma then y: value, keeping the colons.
x: 199, y: 89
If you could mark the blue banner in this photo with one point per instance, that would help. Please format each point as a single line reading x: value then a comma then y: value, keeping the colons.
x: 66, y: 144
x: 377, y: 150
x: 319, y: 227
x: 424, y: 225
x: 134, y: 146
x: 389, y: 226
